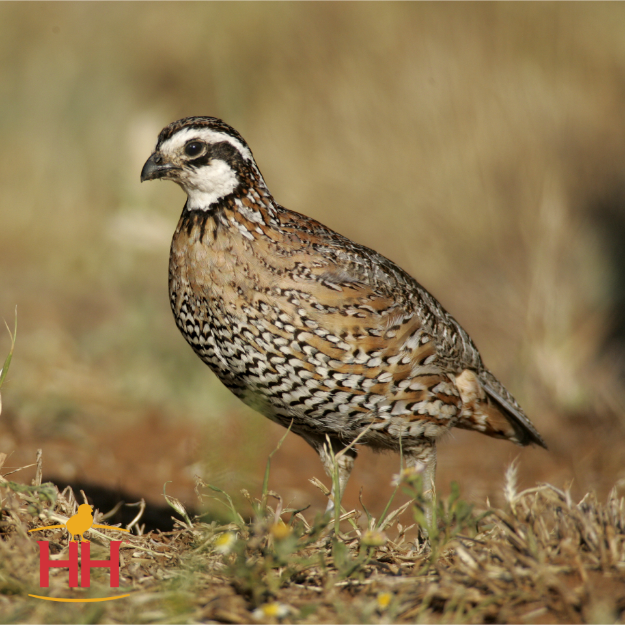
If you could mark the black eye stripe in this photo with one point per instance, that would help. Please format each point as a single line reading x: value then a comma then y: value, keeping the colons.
x: 224, y: 151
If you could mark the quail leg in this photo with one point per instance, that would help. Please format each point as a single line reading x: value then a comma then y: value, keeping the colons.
x: 423, y: 459
x: 344, y: 461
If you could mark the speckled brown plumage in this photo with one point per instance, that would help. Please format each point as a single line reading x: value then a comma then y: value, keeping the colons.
x: 310, y: 328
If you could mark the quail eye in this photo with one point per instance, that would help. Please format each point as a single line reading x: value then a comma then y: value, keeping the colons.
x: 193, y: 148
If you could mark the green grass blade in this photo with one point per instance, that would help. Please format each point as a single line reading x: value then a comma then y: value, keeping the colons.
x: 7, y: 361
x: 268, y: 467
x: 238, y: 519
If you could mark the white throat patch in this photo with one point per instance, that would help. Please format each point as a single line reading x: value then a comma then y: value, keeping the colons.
x: 209, y: 184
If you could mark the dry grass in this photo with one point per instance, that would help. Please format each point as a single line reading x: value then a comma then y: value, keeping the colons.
x: 542, y: 558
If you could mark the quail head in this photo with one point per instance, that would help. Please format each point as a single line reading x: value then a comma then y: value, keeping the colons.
x: 315, y: 331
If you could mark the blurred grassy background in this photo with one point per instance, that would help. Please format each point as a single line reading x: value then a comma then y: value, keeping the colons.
x: 480, y: 146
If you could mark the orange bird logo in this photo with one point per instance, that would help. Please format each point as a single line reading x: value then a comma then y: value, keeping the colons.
x: 79, y: 523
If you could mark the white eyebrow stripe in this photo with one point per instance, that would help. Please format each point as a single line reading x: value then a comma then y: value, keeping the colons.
x: 203, y: 134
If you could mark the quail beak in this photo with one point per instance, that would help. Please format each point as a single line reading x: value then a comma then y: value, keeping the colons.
x: 156, y: 167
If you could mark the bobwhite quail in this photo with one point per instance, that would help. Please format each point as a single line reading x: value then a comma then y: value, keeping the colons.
x: 309, y: 328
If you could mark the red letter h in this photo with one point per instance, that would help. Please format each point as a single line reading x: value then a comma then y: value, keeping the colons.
x: 86, y: 563
x: 45, y: 564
